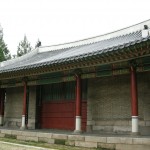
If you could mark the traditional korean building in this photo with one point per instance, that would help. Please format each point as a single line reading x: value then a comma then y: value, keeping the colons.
x: 100, y: 84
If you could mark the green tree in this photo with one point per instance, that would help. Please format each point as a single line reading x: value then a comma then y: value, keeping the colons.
x: 24, y: 47
x: 4, y: 52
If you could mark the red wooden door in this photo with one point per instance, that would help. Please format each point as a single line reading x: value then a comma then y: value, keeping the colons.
x: 58, y: 115
x: 58, y: 107
x: 61, y: 115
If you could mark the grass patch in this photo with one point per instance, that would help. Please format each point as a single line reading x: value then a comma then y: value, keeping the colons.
x: 60, y: 141
x: 46, y: 145
x: 10, y: 136
x: 31, y: 143
x: 100, y: 148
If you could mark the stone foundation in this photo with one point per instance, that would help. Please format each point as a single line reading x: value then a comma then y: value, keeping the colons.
x: 90, y: 141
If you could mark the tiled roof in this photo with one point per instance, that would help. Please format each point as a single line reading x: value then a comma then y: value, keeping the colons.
x: 77, y: 50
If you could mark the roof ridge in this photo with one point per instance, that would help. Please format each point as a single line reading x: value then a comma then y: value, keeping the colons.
x: 117, y: 33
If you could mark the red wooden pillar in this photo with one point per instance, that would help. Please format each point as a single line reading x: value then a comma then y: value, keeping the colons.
x: 23, y: 125
x: 2, y: 98
x: 78, y: 105
x: 134, y: 100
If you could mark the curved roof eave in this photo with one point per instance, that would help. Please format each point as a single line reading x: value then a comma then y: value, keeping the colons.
x: 77, y: 58
x: 77, y: 50
x: 91, y: 40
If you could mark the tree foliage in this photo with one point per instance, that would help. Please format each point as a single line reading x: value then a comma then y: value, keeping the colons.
x: 24, y: 47
x: 4, y: 52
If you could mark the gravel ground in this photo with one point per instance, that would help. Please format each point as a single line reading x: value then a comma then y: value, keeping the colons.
x: 11, y: 146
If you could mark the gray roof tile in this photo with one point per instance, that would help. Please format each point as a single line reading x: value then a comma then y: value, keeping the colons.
x: 72, y: 53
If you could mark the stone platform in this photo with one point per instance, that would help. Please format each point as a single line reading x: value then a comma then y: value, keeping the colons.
x: 118, y: 142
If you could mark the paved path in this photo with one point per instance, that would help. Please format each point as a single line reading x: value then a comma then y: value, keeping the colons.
x: 13, y: 146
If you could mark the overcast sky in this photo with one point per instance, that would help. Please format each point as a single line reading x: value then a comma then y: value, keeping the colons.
x: 60, y: 21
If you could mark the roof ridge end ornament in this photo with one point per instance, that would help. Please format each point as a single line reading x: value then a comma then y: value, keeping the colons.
x: 145, y: 31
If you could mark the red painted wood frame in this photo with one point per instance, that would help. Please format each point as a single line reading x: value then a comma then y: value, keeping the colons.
x: 78, y: 95
x: 25, y: 107
x: 134, y: 97
x: 24, y: 98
